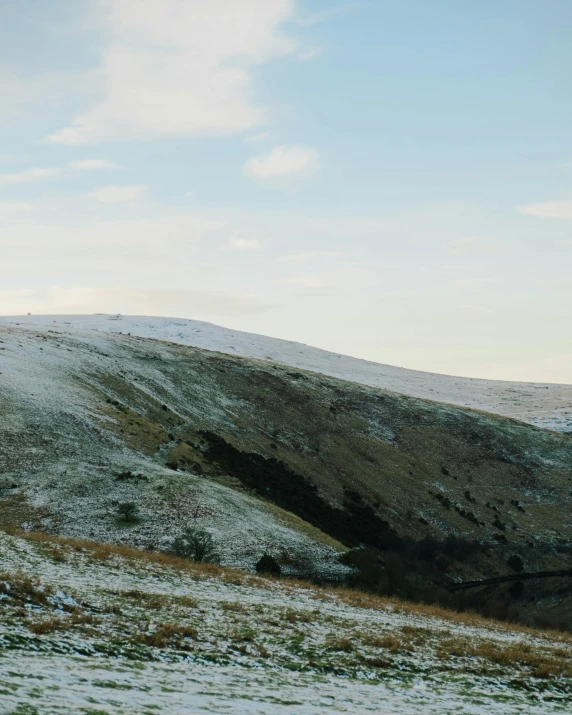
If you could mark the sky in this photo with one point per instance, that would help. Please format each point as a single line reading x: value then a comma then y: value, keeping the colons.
x: 389, y: 179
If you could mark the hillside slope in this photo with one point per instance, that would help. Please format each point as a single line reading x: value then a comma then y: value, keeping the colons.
x: 87, y: 629
x: 544, y: 405
x: 270, y: 459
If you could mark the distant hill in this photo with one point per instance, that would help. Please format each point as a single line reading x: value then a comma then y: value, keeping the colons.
x: 543, y: 404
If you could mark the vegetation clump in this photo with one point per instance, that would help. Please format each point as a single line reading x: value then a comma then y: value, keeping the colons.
x: 195, y: 544
x: 515, y: 562
x: 268, y: 565
x: 128, y: 511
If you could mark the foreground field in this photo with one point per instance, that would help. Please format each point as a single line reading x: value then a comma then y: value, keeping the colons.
x: 90, y: 628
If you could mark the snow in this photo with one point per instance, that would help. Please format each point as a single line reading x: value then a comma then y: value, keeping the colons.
x: 49, y: 405
x: 545, y: 405
x: 71, y: 670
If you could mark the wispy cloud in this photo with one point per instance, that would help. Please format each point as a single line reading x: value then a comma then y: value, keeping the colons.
x: 14, y: 208
x: 116, y: 194
x: 243, y: 244
x: 93, y: 164
x: 310, y: 281
x: 549, y: 209
x: 283, y: 162
x: 306, y: 256
x: 471, y: 244
x: 260, y: 137
x: 172, y: 68
x: 29, y: 175
x: 478, y: 309
x: 323, y: 15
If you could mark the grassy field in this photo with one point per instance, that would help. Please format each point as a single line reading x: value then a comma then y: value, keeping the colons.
x: 94, y: 628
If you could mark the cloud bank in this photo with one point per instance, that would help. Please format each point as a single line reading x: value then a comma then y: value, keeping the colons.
x: 179, y: 68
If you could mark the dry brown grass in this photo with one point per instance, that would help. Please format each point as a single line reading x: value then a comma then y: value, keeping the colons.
x: 185, y: 601
x: 388, y: 641
x: 168, y: 635
x: 361, y: 599
x: 293, y: 616
x: 540, y: 662
x: 56, y: 623
x: 145, y: 599
x: 48, y: 625
x: 233, y: 606
x: 102, y: 552
x: 340, y: 643
x: 22, y: 589
x: 352, y: 597
x: 16, y: 510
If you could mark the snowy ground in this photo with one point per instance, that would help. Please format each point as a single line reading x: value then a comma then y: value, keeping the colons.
x: 95, y: 632
x: 545, y: 405
x: 52, y: 445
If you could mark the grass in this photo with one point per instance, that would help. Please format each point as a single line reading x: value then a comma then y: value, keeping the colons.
x: 359, y: 599
x: 539, y: 663
x: 23, y: 590
x: 146, y: 622
x: 168, y: 635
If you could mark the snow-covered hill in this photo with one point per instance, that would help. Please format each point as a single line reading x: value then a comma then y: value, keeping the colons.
x: 541, y: 404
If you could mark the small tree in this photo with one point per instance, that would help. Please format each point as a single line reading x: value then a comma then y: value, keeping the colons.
x: 128, y: 510
x: 195, y: 544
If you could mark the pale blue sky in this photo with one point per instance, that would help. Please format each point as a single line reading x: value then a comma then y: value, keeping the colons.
x: 391, y: 180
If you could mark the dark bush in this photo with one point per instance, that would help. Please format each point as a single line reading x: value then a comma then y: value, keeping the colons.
x: 195, y: 544
x: 129, y: 475
x: 268, y: 565
x: 515, y: 562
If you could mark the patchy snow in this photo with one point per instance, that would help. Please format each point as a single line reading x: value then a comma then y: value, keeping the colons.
x: 249, y: 646
x: 542, y: 404
x: 44, y: 402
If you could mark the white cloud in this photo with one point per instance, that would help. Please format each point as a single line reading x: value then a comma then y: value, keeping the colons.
x: 549, y: 209
x: 243, y: 244
x: 351, y: 227
x: 10, y: 208
x: 319, y: 17
x: 283, y: 162
x: 261, y: 136
x: 471, y: 244
x: 179, y: 68
x: 306, y: 256
x: 310, y: 281
x: 90, y: 164
x: 116, y: 194
x: 28, y: 175
x: 477, y: 309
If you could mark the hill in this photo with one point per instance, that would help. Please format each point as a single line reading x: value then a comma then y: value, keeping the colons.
x: 273, y: 459
x: 542, y: 404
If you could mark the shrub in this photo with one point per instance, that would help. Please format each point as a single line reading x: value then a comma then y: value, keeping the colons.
x: 268, y: 564
x: 128, y: 510
x: 515, y: 562
x: 195, y: 544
